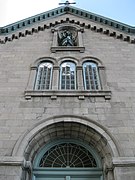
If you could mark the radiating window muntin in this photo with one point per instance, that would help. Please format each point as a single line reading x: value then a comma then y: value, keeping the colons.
x: 68, y: 155
x: 91, y: 76
x: 44, y: 76
x: 68, y: 76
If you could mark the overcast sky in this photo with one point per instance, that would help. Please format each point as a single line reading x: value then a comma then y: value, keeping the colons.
x: 15, y: 10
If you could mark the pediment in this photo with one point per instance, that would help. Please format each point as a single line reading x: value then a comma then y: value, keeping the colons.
x: 72, y: 15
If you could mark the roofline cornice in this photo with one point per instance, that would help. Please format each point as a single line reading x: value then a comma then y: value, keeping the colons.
x: 63, y: 10
x: 31, y: 21
x: 125, y: 28
x: 103, y: 30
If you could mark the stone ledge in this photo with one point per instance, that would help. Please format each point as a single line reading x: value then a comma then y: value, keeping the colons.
x: 15, y: 161
x: 124, y: 161
x: 11, y: 161
x: 70, y: 93
x: 72, y: 48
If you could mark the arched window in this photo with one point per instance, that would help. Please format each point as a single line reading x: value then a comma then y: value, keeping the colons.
x: 67, y: 159
x: 56, y: 78
x: 67, y: 155
x: 44, y: 76
x: 91, y: 76
x: 68, y: 76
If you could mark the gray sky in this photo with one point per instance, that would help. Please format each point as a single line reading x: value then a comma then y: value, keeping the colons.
x: 15, y: 10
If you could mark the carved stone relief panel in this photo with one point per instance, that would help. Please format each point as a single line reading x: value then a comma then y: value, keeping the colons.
x: 67, y: 38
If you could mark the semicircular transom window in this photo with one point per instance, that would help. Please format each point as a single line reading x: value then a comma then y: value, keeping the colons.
x: 68, y: 155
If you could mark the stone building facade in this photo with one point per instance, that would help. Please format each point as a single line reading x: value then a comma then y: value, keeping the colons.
x: 67, y: 98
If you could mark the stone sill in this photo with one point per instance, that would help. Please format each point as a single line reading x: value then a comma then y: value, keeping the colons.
x: 70, y: 93
x: 72, y: 48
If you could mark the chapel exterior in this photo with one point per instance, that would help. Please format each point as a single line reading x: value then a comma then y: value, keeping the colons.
x: 67, y: 97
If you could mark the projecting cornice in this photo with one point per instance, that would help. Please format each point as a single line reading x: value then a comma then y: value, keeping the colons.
x: 63, y: 10
x: 108, y: 27
x: 106, y: 31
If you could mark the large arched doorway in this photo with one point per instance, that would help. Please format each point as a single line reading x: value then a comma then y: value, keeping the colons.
x: 82, y: 133
x: 67, y: 159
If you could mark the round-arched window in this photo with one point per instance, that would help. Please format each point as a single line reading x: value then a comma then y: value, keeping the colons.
x: 67, y: 155
x: 67, y: 76
x: 44, y: 76
x: 91, y: 76
x: 67, y: 160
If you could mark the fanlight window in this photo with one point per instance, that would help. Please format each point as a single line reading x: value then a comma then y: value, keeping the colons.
x: 44, y: 76
x: 67, y: 76
x: 91, y: 76
x: 68, y: 155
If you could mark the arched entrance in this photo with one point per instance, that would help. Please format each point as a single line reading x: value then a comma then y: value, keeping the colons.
x: 67, y: 159
x: 92, y: 136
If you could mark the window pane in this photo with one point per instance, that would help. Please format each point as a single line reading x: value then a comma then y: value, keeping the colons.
x: 44, y: 74
x: 91, y: 77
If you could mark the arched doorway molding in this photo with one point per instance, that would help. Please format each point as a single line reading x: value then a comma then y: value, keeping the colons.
x: 95, y: 134
x: 71, y: 127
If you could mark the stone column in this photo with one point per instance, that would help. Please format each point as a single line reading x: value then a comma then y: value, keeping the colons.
x: 32, y: 78
x: 54, y: 38
x: 102, y: 77
x: 80, y: 39
x: 109, y: 174
x: 54, y: 43
x: 55, y: 78
x: 80, y: 78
